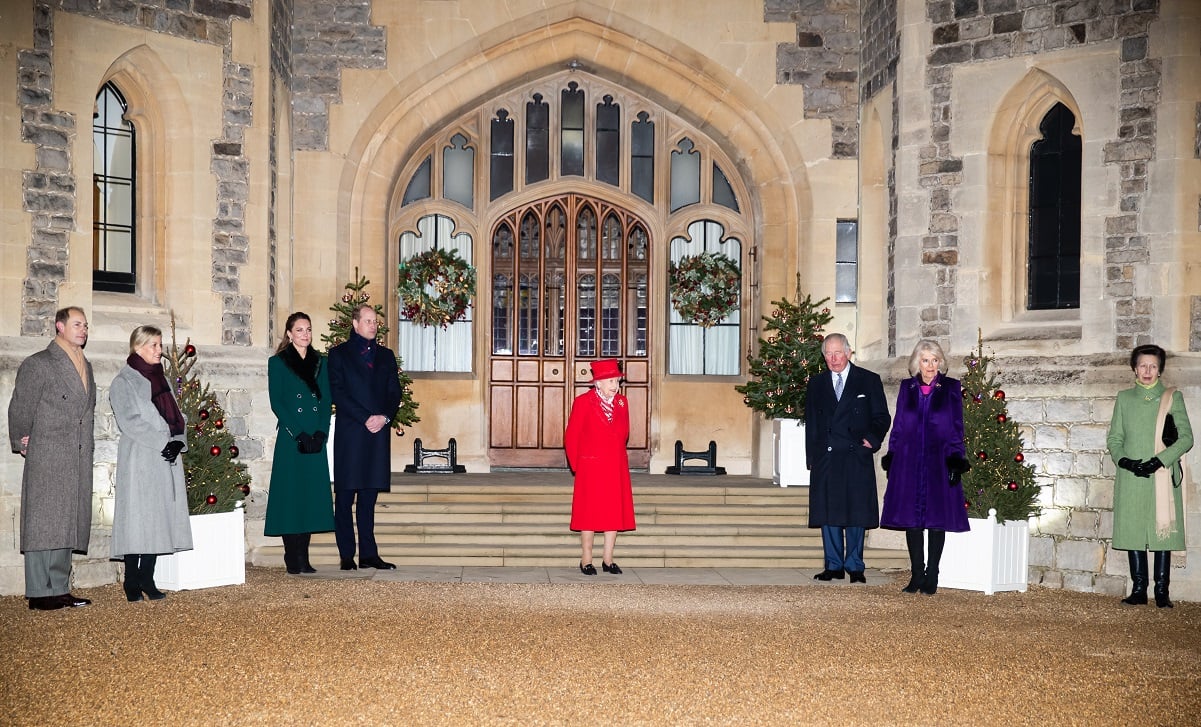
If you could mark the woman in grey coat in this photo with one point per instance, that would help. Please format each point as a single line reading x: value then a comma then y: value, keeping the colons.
x: 151, y: 504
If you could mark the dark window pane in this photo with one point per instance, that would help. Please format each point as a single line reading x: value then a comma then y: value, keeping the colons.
x: 1053, y: 247
x: 114, y: 194
x: 685, y: 175
x: 723, y: 193
x: 608, y: 142
x: 458, y: 171
x: 537, y: 140
x: 642, y: 157
x: 572, y: 119
x: 501, y: 174
x: 419, y: 185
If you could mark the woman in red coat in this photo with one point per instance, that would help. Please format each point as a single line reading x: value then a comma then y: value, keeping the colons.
x: 596, y: 436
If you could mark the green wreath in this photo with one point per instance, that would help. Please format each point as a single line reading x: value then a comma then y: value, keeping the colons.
x: 705, y: 288
x: 435, y: 287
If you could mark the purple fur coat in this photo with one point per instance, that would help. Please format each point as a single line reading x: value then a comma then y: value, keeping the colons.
x: 925, y: 431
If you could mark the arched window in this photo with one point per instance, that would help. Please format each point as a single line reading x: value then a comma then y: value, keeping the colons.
x: 431, y: 348
x: 1053, y: 252
x: 694, y: 349
x: 114, y: 191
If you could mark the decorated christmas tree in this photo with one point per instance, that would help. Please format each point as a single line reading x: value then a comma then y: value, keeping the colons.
x: 791, y: 353
x: 216, y: 480
x: 1000, y: 478
x: 339, y: 330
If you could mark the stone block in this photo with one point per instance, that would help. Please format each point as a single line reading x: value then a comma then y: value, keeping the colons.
x: 1105, y: 524
x: 1071, y: 492
x: 1038, y: 17
x: 1080, y: 555
x: 1051, y: 579
x: 1052, y: 522
x: 1083, y: 524
x: 1058, y: 463
x: 1042, y: 552
x: 1089, y: 464
x: 1050, y: 437
x: 92, y: 573
x: 1088, y: 437
x: 1026, y: 410
x: 1069, y: 410
x: 1113, y: 586
x: 1080, y: 582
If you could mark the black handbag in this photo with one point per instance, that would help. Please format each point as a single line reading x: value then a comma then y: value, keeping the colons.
x: 1170, y: 435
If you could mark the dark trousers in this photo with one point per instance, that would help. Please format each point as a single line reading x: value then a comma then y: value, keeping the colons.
x: 363, y: 517
x: 47, y: 572
x: 843, y: 547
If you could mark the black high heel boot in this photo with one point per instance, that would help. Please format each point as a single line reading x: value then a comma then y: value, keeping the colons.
x: 917, y: 567
x: 1138, y: 574
x: 133, y: 579
x: 302, y: 553
x: 1163, y: 565
x: 146, y: 570
x: 936, y: 538
x: 291, y: 557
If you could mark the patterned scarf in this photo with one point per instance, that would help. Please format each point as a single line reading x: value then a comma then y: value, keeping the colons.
x: 160, y: 393
x: 365, y: 348
x: 606, y: 405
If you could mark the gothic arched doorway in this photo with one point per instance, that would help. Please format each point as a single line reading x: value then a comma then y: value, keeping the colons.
x: 570, y: 284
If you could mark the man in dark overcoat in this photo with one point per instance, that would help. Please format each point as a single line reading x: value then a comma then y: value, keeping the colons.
x: 846, y: 419
x: 365, y: 387
x: 50, y: 423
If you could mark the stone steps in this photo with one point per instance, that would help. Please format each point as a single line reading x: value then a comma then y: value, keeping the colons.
x: 520, y: 519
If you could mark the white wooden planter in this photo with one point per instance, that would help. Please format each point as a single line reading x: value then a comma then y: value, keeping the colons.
x: 217, y: 558
x: 788, y: 462
x: 990, y: 557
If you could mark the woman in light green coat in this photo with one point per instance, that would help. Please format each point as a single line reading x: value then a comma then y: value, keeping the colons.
x: 1148, y: 436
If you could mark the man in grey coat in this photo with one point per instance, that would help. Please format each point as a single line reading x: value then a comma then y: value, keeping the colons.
x: 50, y: 424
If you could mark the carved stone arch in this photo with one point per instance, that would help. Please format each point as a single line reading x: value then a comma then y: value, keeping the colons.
x: 1015, y: 127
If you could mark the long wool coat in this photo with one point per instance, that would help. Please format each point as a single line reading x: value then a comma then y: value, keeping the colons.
x: 596, y: 450
x: 150, y: 513
x: 842, y: 480
x: 927, y: 429
x: 362, y: 460
x: 1132, y: 434
x: 300, y: 499
x: 50, y: 406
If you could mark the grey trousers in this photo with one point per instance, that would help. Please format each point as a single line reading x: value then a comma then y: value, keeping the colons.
x: 47, y: 572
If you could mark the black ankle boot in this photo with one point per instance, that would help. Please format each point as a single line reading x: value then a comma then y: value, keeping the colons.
x: 133, y: 579
x: 291, y: 557
x: 1163, y: 565
x: 936, y: 540
x: 146, y: 570
x: 1138, y: 574
x: 302, y: 553
x: 917, y: 566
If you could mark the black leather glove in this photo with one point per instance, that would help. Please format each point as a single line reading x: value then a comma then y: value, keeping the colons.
x: 886, y: 461
x: 1148, y: 468
x: 1131, y: 465
x: 957, y: 466
x: 319, y: 437
x: 306, y: 444
x: 1170, y: 435
x: 172, y: 450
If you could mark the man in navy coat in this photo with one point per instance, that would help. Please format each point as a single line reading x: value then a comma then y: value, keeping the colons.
x: 365, y: 387
x: 846, y: 419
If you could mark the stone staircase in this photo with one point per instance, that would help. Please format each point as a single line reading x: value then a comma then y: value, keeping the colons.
x: 520, y: 519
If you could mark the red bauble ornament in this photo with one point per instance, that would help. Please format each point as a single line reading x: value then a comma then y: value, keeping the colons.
x: 245, y: 489
x: 967, y: 505
x: 211, y: 499
x: 999, y: 395
x: 400, y: 432
x: 233, y: 451
x: 214, y: 450
x: 1019, y: 457
x: 204, y: 415
x: 189, y: 350
x: 963, y: 393
x: 982, y: 455
x: 978, y: 398
x: 1001, y: 418
x: 220, y: 423
x: 1012, y: 485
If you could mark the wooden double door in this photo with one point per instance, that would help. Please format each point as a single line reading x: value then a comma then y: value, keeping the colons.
x: 570, y: 284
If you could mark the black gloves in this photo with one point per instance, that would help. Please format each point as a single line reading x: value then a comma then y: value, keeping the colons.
x: 172, y: 450
x: 319, y: 437
x: 957, y: 466
x: 1148, y: 468
x: 1131, y: 465
x: 308, y: 443
x: 886, y: 461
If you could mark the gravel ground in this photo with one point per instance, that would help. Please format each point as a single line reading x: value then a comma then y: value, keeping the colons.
x: 286, y: 650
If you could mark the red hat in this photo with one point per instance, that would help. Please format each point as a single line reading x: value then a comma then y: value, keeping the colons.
x: 605, y: 369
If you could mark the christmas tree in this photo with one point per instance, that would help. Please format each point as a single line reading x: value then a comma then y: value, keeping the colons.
x: 339, y: 331
x: 216, y: 480
x: 1000, y: 478
x: 790, y: 354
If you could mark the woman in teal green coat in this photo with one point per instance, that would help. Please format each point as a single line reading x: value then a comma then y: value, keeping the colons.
x: 1148, y: 435
x: 300, y: 501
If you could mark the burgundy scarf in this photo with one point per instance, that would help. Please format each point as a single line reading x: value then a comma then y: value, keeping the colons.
x: 160, y: 393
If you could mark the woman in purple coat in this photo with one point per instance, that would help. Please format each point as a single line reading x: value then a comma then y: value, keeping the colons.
x: 925, y: 463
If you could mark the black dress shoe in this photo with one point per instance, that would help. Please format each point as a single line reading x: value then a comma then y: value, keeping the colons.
x: 828, y: 575
x: 348, y: 564
x: 857, y: 576
x: 610, y: 568
x: 375, y: 562
x: 46, y: 603
x: 588, y: 570
x: 306, y: 568
x: 73, y: 601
